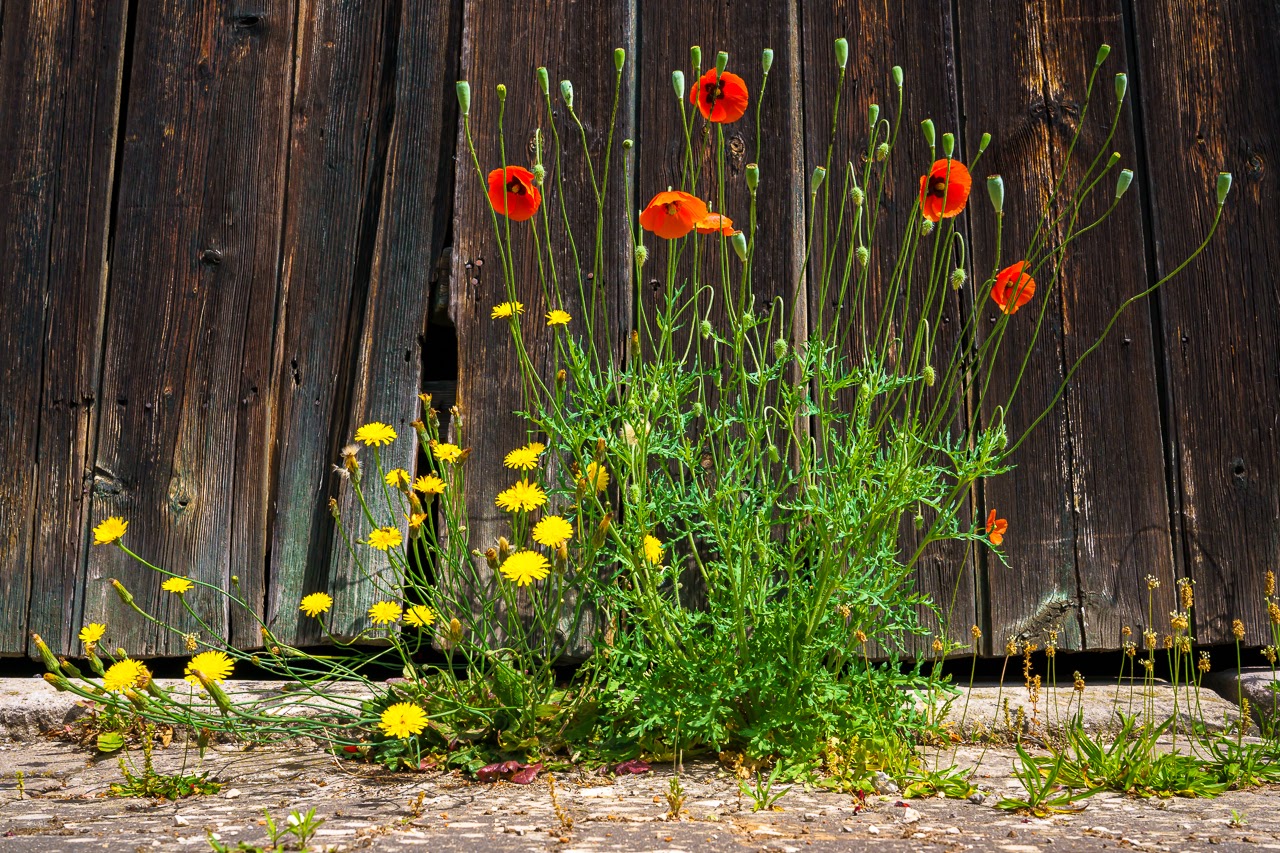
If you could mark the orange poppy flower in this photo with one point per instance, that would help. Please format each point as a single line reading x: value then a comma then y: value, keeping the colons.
x: 941, y: 196
x: 720, y: 100
x: 1013, y: 288
x: 514, y: 194
x: 996, y: 528
x: 672, y: 214
x: 716, y: 223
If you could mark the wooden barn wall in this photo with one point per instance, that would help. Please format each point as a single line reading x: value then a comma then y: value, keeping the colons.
x: 234, y: 231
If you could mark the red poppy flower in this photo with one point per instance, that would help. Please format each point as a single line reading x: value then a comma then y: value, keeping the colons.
x: 941, y: 195
x: 1014, y: 288
x: 716, y: 223
x: 514, y: 194
x: 672, y: 214
x: 996, y: 528
x: 721, y: 100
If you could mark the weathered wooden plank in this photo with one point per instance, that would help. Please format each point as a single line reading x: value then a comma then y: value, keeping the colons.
x: 575, y: 41
x: 921, y: 42
x: 184, y: 432
x: 61, y: 90
x: 412, y: 225
x: 1082, y: 534
x: 55, y: 182
x: 1201, y: 64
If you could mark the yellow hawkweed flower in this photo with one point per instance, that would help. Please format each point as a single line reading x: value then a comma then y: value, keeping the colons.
x: 125, y: 674
x: 214, y: 665
x: 385, y: 612
x: 385, y: 537
x: 446, y: 452
x: 506, y: 309
x: 92, y: 633
x: 316, y: 603
x: 523, y: 458
x: 402, y: 720
x: 522, y: 497
x: 552, y: 531
x: 597, y: 475
x: 375, y: 434
x: 429, y: 484
x: 558, y: 318
x: 109, y: 530
x: 419, y: 616
x: 525, y: 567
x: 177, y: 585
x: 397, y: 477
x: 416, y: 519
x: 653, y: 550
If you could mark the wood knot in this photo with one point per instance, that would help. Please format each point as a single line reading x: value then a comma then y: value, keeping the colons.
x: 211, y: 257
x: 246, y: 21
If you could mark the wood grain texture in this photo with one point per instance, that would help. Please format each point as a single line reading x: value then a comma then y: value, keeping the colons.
x: 59, y: 90
x: 1203, y: 68
x: 880, y: 36
x: 183, y: 437
x: 575, y: 41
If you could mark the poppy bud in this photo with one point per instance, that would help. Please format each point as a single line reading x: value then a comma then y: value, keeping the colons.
x: 1224, y: 186
x: 815, y: 181
x: 502, y: 93
x: 739, y: 243
x: 642, y: 255
x: 927, y: 127
x: 882, y: 152
x: 544, y: 80
x: 958, y: 276
x: 896, y: 72
x: 753, y: 176
x: 864, y: 256
x: 696, y: 409
x: 774, y: 455
x: 677, y: 83
x: 948, y: 144
x: 626, y: 144
x: 926, y: 227
x: 766, y: 59
x: 929, y: 375
x: 873, y: 114
x: 858, y: 196
x: 1113, y: 159
x: 464, y: 97
x: 780, y: 349
x: 566, y: 92
x: 539, y: 174
x: 984, y: 142
x: 1122, y: 85
x: 1122, y: 182
x: 1103, y: 51
x: 842, y: 53
x: 995, y: 189
x: 722, y: 62
x: 695, y: 57
x: 619, y: 58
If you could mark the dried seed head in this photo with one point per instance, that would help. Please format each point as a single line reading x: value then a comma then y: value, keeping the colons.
x: 976, y: 633
x: 860, y: 637
x: 1168, y: 641
x: 1149, y: 639
x: 937, y: 646
x: 1273, y: 612
x: 1204, y: 664
x: 1237, y: 629
x: 1148, y: 664
x: 1152, y: 582
x: 1011, y: 646
x: 1270, y: 583
x: 1186, y: 595
x: 1079, y: 682
x: 1179, y: 621
x: 1126, y: 631
x: 1130, y: 649
x: 1270, y: 654
x: 1184, y: 644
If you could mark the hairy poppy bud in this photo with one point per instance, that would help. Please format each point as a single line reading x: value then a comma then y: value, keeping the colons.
x: 722, y: 62
x: 705, y: 328
x: 464, y: 97
x: 677, y: 83
x: 695, y: 57
x: 995, y: 189
x: 502, y: 92
x: 1224, y: 186
x: 873, y: 114
x: 642, y: 255
x: 815, y: 181
x: 948, y: 144
x: 929, y: 375
x: 739, y: 243
x: 696, y: 409
x: 926, y: 227
x: 544, y: 80
x: 858, y: 196
x: 842, y: 53
x: 1103, y: 51
x: 774, y: 455
x: 766, y: 59
x: 896, y: 72
x: 753, y: 176
x: 619, y: 58
x: 1122, y: 182
x: 1122, y: 85
x: 958, y: 277
x: 929, y: 134
x: 882, y: 152
x: 864, y: 256
x: 780, y: 347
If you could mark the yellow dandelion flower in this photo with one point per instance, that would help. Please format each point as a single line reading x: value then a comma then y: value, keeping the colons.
x: 385, y: 537
x: 429, y: 484
x: 558, y: 318
x: 375, y: 434
x: 446, y: 452
x: 523, y: 458
x: 385, y: 612
x: 552, y: 531
x: 653, y: 550
x: 125, y: 674
x: 536, y: 447
x: 598, y: 475
x: 525, y: 567
x: 522, y: 497
x: 109, y: 530
x: 506, y: 309
x: 316, y: 603
x: 214, y: 665
x: 419, y: 616
x: 177, y: 586
x: 402, y: 720
x: 397, y: 477
x: 92, y: 633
